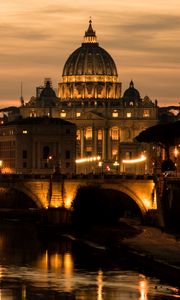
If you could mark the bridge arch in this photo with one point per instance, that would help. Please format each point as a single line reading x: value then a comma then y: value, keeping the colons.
x: 30, y: 194
x: 127, y: 191
x: 94, y: 204
x: 24, y: 190
x: 141, y: 192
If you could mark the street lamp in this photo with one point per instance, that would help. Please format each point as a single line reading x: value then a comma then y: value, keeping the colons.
x: 175, y: 157
x: 100, y: 164
x: 49, y: 160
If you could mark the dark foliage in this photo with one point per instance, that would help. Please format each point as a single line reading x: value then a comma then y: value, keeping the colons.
x: 165, y: 134
x: 168, y: 165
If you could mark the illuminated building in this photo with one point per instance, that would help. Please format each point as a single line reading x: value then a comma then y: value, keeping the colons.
x: 90, y: 97
x: 37, y: 146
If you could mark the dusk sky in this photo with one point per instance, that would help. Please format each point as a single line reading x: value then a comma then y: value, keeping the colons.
x: 143, y: 37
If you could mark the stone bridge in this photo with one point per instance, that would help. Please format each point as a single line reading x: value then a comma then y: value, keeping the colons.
x: 56, y: 192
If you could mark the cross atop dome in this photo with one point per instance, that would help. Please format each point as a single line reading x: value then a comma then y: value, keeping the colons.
x: 90, y: 34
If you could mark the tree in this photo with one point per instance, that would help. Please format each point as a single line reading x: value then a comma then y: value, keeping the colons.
x: 165, y: 135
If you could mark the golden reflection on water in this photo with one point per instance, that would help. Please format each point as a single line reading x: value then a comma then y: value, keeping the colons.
x: 68, y: 271
x: 143, y: 289
x: 23, y: 292
x: 60, y: 263
x: 100, y: 285
x: 55, y: 261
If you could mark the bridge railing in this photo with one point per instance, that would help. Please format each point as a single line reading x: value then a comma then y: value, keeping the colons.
x: 6, y: 177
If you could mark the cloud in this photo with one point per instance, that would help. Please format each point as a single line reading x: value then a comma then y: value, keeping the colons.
x: 10, y: 31
x: 38, y: 37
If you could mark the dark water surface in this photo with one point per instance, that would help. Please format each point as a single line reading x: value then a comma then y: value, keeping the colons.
x: 34, y: 269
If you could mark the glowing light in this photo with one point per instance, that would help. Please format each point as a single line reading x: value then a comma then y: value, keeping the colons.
x: 147, y: 203
x: 6, y: 170
x: 176, y: 152
x: 68, y: 202
x: 116, y: 163
x: 1, y: 162
x: 100, y: 164
x: 133, y: 161
x: 87, y: 159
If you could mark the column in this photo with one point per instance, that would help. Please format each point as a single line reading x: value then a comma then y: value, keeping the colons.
x: 109, y: 150
x: 95, y: 91
x: 94, y: 141
x: 82, y: 142
x: 39, y: 157
x: 105, y: 144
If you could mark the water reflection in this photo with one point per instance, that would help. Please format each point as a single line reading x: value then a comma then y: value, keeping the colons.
x: 143, y: 288
x: 100, y: 285
x: 31, y: 269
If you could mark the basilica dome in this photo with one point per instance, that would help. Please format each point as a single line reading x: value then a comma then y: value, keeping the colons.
x: 91, y: 70
x: 90, y: 59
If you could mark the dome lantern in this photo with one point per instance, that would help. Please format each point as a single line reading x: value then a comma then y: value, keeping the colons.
x: 90, y: 34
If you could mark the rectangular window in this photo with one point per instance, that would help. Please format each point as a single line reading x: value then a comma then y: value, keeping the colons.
x: 115, y: 114
x: 129, y: 114
x: 68, y: 131
x: 68, y: 155
x: 78, y: 114
x: 24, y: 154
x: 63, y: 114
x: 146, y: 113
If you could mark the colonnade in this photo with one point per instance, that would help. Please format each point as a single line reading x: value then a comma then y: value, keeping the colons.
x: 89, y: 90
x: 105, y: 143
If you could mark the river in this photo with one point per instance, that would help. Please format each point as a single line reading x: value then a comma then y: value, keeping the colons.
x: 61, y: 269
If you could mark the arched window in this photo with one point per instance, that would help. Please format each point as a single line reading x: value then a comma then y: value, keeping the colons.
x: 88, y: 133
x: 115, y: 133
x: 99, y: 135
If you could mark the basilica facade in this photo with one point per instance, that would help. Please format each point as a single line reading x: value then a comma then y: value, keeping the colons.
x: 107, y: 120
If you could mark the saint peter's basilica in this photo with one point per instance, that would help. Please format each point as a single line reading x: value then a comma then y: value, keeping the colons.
x: 107, y: 118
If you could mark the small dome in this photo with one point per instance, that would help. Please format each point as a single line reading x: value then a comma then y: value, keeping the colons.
x: 132, y: 94
x: 48, y: 92
x: 47, y: 96
x: 89, y: 60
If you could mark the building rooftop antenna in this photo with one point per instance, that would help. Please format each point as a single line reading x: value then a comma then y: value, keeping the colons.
x: 21, y: 97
